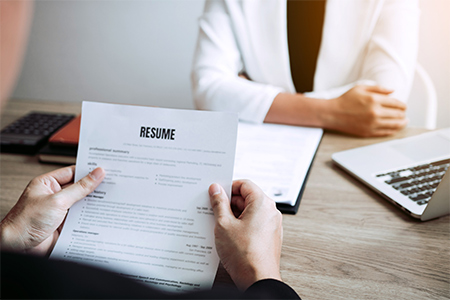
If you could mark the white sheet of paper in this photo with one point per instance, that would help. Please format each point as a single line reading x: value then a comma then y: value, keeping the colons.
x: 150, y: 219
x: 276, y: 157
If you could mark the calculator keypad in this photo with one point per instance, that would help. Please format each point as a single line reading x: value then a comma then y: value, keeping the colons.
x: 30, y: 132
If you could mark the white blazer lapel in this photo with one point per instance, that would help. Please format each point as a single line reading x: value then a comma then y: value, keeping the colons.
x: 348, y: 25
x: 266, y: 23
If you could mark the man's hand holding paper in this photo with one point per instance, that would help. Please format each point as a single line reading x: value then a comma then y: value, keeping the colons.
x: 33, y: 224
x: 249, y: 233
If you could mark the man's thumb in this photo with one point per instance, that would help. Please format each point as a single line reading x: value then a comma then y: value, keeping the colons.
x: 219, y: 201
x: 83, y: 187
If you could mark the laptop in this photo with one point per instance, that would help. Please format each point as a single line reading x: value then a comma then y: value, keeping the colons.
x: 412, y: 172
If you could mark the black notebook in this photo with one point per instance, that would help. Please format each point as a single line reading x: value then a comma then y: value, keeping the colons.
x: 278, y: 159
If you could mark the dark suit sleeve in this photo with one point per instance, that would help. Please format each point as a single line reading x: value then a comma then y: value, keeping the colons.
x: 29, y: 277
x: 270, y: 289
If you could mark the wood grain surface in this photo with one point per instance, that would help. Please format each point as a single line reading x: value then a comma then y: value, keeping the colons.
x: 346, y: 242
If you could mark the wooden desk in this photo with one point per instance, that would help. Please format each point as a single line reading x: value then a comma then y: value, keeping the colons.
x: 346, y: 242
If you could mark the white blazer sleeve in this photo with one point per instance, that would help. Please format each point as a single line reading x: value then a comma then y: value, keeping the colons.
x: 389, y: 55
x: 217, y: 63
x: 392, y: 51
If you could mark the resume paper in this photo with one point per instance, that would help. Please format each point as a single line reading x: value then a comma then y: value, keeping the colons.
x: 150, y: 219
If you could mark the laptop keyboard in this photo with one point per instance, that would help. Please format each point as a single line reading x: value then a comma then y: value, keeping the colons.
x: 419, y: 182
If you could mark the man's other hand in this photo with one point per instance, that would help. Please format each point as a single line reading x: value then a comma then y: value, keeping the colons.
x: 248, y: 233
x: 34, y: 223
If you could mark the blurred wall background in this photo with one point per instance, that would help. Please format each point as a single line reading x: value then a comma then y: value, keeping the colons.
x: 434, y: 53
x: 141, y: 52
x: 111, y: 51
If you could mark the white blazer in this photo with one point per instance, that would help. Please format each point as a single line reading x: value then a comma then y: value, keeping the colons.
x: 363, y: 41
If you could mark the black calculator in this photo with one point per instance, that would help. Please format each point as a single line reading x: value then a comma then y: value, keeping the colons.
x: 30, y: 133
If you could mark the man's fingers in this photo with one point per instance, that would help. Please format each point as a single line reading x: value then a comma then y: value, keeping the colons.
x: 237, y: 205
x: 62, y: 176
x: 219, y: 201
x: 83, y: 187
x: 237, y: 202
x: 247, y: 190
x: 52, y: 182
